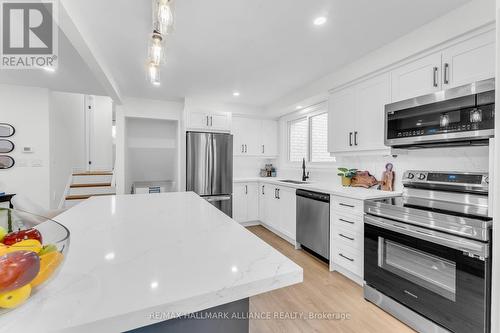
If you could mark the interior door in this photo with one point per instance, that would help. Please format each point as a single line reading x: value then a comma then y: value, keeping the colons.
x: 371, y: 98
x: 341, y: 108
x: 420, y: 77
x: 99, y: 122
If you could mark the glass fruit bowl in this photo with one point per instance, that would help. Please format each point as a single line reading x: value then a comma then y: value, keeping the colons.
x: 32, y: 251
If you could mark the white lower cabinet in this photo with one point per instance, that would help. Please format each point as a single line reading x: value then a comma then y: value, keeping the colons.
x: 277, y: 209
x: 245, y: 202
x: 346, y: 237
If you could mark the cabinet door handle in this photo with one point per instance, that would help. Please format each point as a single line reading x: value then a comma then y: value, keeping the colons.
x: 279, y: 194
x: 435, y: 76
x: 263, y: 190
x: 346, y: 221
x: 263, y: 149
x: 343, y: 256
x: 350, y: 139
x: 242, y: 148
x: 346, y: 205
x: 207, y: 121
x: 211, y: 121
x: 355, y: 138
x: 346, y: 237
x: 275, y: 193
x: 246, y: 189
x: 446, y: 73
x: 246, y: 149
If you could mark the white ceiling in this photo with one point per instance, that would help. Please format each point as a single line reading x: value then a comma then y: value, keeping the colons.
x: 262, y: 48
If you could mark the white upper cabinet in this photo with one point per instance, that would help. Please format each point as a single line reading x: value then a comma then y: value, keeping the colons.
x: 417, y: 78
x: 255, y: 137
x: 469, y: 61
x: 341, y: 106
x: 209, y: 121
x: 356, y: 116
x: 371, y: 98
x: 465, y: 62
x: 269, y: 138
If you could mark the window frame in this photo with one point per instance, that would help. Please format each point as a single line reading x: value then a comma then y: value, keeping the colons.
x: 307, y: 113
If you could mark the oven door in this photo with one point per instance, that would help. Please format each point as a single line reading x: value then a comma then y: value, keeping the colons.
x: 429, y: 272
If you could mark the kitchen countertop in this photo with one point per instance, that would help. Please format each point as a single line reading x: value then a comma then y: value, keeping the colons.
x: 333, y: 189
x: 134, y: 255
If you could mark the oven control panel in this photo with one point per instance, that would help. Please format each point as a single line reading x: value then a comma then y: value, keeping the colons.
x: 469, y: 179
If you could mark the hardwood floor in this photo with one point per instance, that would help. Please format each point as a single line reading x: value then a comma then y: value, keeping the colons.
x: 321, y: 292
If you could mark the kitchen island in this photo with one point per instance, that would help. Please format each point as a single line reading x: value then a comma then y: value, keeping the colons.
x: 144, y: 261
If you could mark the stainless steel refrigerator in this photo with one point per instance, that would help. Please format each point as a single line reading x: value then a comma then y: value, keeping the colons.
x: 209, y: 168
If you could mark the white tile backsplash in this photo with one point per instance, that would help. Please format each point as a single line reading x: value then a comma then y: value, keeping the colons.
x: 439, y: 159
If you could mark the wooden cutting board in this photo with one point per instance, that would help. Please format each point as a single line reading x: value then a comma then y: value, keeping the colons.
x: 364, y: 179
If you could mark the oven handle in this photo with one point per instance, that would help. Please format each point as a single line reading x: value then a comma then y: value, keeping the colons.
x: 470, y: 247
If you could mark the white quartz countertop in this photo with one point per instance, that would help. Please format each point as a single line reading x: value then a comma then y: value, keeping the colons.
x: 136, y: 255
x: 333, y: 189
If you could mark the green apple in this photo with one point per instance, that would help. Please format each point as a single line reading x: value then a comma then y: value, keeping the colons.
x: 47, y: 249
x: 3, y: 232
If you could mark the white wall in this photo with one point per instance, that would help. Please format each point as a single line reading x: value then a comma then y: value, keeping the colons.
x: 67, y: 141
x: 143, y: 108
x: 472, y: 15
x: 101, y: 140
x: 27, y: 109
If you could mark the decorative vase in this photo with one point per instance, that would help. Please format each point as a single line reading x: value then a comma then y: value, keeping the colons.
x: 346, y: 181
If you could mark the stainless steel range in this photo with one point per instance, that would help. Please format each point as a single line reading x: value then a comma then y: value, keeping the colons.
x: 427, y: 254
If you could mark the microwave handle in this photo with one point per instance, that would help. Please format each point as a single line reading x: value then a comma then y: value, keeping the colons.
x: 472, y: 248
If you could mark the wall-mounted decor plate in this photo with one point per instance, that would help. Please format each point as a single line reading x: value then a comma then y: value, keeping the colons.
x: 6, y: 130
x: 6, y: 162
x: 6, y: 146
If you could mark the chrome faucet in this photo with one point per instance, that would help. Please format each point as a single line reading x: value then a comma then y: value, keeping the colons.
x: 305, y: 175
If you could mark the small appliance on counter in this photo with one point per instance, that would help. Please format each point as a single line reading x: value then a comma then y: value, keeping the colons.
x: 268, y: 171
x: 427, y: 254
x: 153, y: 187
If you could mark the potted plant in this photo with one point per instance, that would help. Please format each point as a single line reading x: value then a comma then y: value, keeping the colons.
x: 346, y: 175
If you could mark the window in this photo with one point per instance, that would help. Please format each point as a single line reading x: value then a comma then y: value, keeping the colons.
x: 298, y: 140
x: 308, y: 138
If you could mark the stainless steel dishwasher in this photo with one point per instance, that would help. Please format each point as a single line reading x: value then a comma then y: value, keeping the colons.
x: 313, y: 222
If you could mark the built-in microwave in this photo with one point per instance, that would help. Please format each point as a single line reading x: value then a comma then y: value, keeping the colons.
x: 459, y: 116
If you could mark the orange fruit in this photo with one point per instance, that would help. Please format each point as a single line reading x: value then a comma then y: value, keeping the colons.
x: 13, y: 298
x: 48, y: 265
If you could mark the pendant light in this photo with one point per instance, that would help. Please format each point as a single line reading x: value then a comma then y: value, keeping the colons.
x: 163, y: 16
x: 156, y: 51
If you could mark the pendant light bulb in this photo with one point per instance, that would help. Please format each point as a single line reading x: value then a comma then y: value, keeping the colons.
x: 156, y: 49
x: 154, y: 73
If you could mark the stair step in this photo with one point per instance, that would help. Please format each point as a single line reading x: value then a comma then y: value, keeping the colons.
x: 83, y: 197
x: 94, y: 173
x: 90, y: 185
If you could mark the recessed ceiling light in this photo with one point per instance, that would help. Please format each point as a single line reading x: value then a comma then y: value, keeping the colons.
x: 49, y: 69
x: 320, y: 20
x: 298, y: 107
x: 236, y: 93
x: 156, y: 83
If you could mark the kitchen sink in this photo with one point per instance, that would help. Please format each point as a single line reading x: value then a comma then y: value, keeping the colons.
x: 293, y: 181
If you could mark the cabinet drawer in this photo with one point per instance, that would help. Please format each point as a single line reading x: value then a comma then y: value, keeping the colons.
x: 347, y: 238
x: 349, y: 259
x: 347, y: 205
x: 351, y: 222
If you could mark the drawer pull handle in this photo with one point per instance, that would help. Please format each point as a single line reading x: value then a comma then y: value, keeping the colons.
x: 346, y: 221
x: 343, y: 256
x: 346, y: 237
x: 346, y: 205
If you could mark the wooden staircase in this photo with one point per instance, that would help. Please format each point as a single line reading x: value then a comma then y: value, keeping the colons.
x: 89, y: 184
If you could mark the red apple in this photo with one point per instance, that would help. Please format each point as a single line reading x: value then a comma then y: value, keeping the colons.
x: 17, y: 269
x: 21, y: 235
